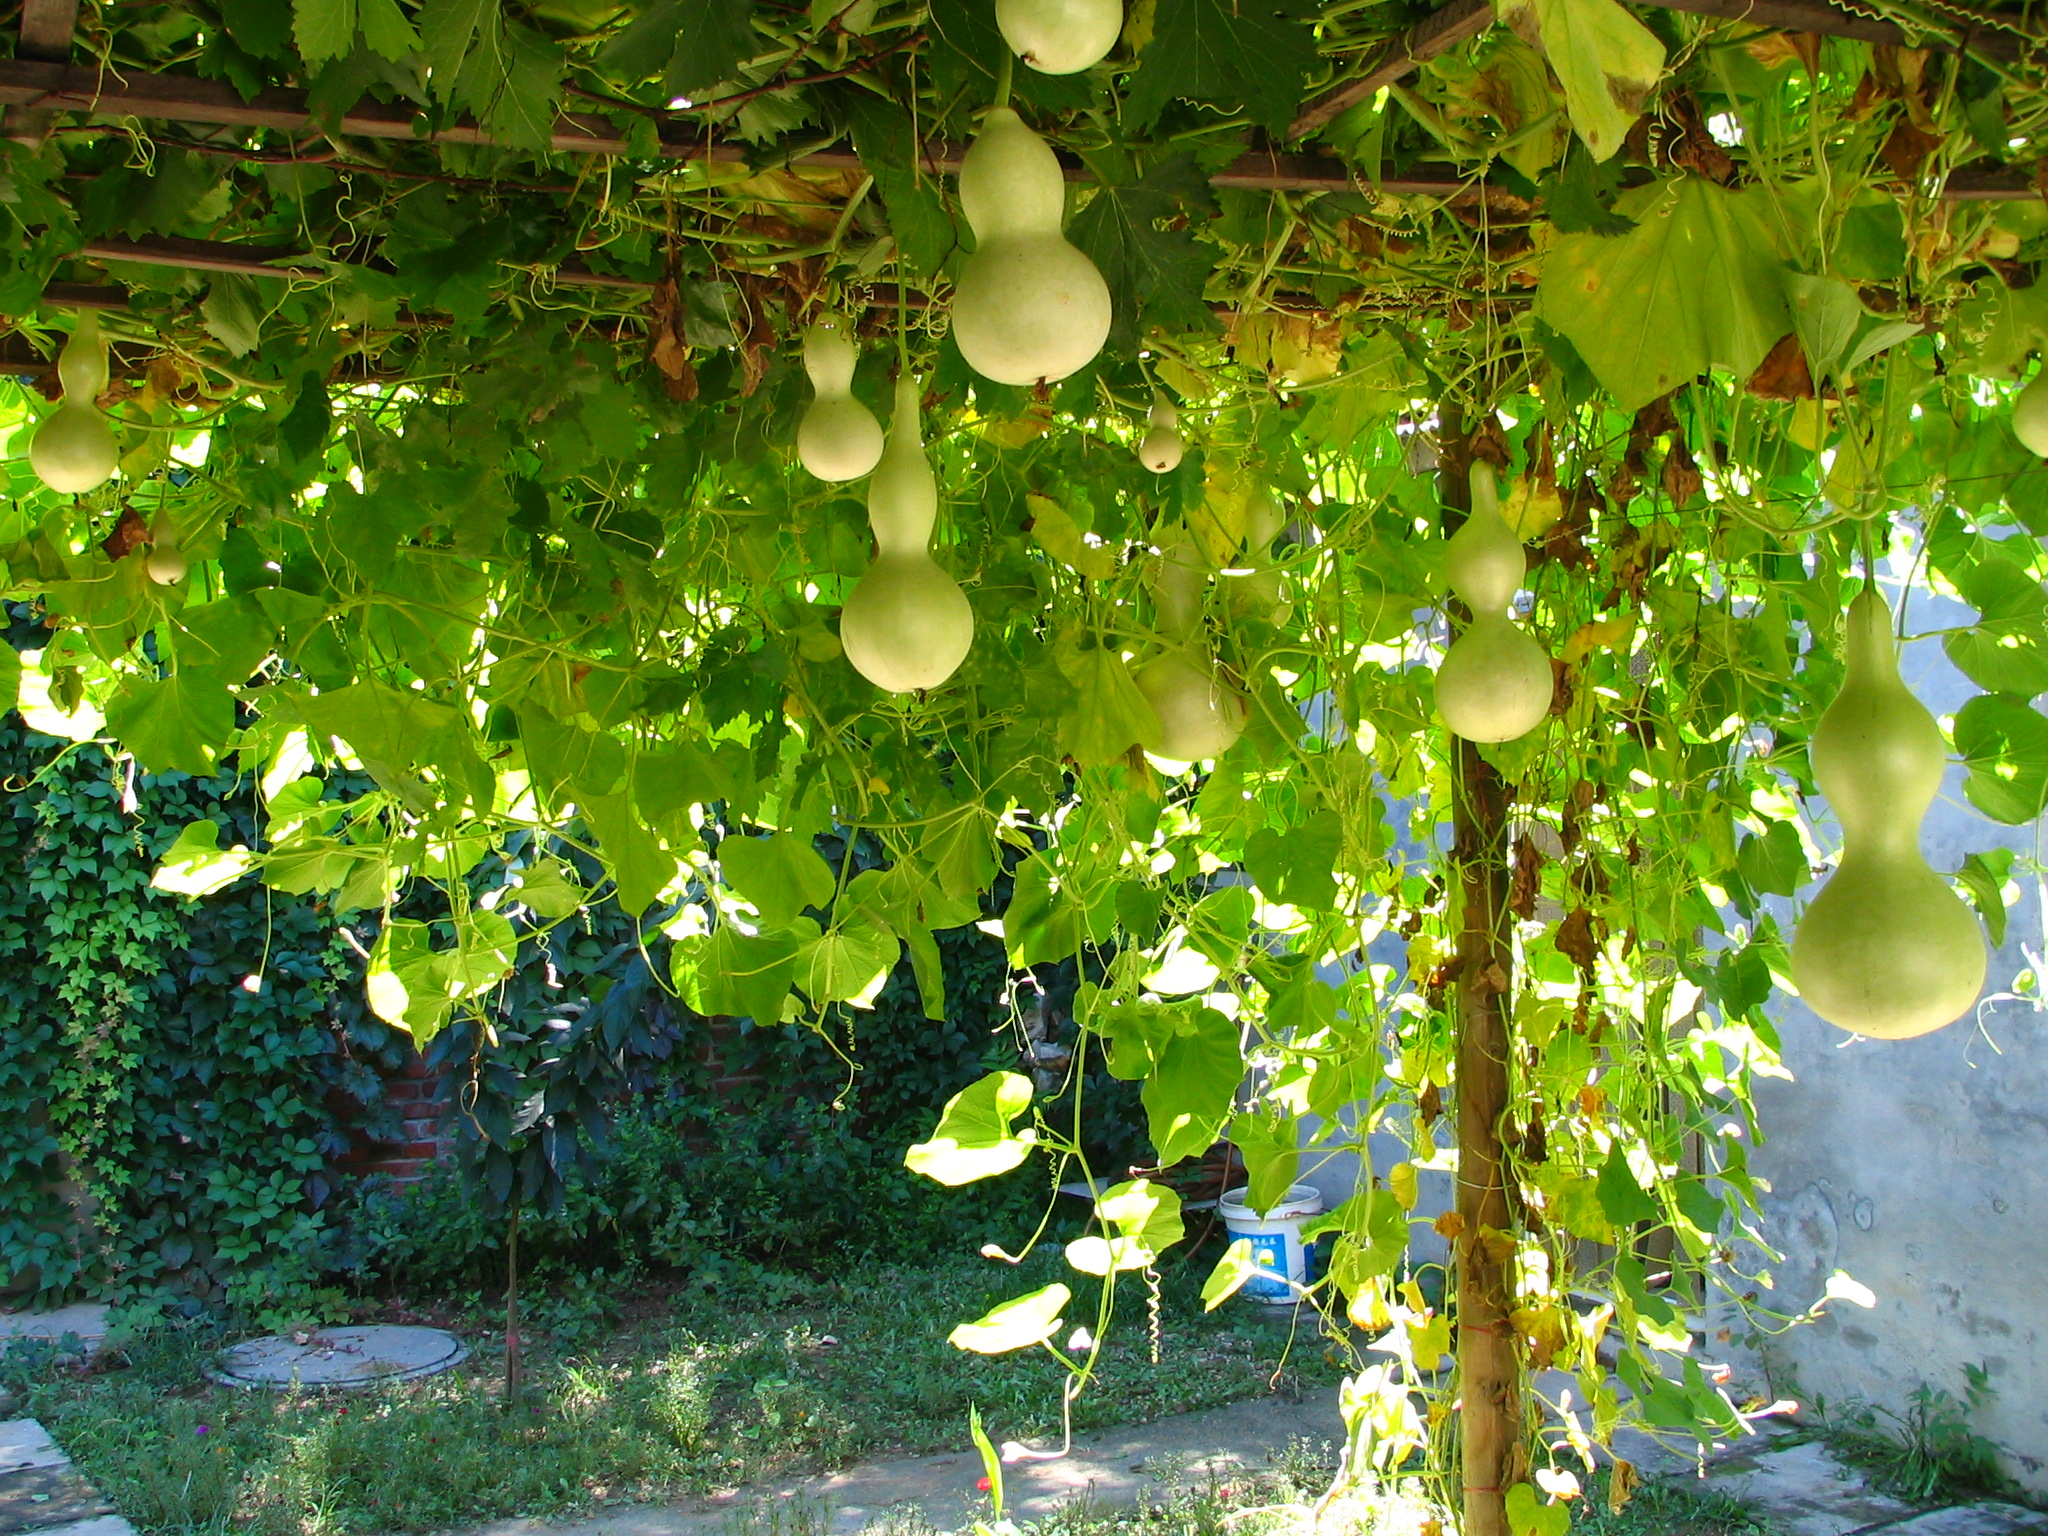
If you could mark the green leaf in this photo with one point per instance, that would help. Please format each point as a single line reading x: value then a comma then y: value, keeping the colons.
x: 323, y: 29
x: 524, y: 100
x: 178, y: 723
x: 1774, y: 864
x: 548, y: 891
x: 1984, y: 876
x: 1187, y: 1098
x: 641, y: 867
x: 1826, y: 314
x: 1144, y: 1221
x: 748, y: 974
x: 229, y: 638
x: 848, y: 963
x: 1155, y: 276
x: 1270, y: 1144
x: 387, y: 31
x: 923, y: 227
x: 10, y: 677
x: 1621, y: 1198
x: 1605, y: 59
x: 447, y: 29
x: 1579, y: 198
x: 1015, y: 1324
x: 780, y: 874
x: 232, y: 312
x: 1694, y: 285
x: 973, y: 1139
x: 1109, y: 716
x: 1250, y: 55
x: 690, y: 43
x: 2006, y: 651
x: 2004, y: 742
x: 1228, y: 1277
x: 197, y: 865
x: 403, y: 984
x: 961, y: 853
x: 1527, y: 1517
x: 1297, y: 865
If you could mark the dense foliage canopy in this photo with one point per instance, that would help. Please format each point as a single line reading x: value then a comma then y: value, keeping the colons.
x: 471, y: 427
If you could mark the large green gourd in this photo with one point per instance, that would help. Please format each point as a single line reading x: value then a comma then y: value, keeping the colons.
x: 1494, y: 682
x: 74, y: 450
x: 1199, y: 715
x: 1886, y: 949
x: 2030, y: 415
x: 906, y: 624
x: 1060, y: 37
x: 1029, y: 306
x: 838, y: 438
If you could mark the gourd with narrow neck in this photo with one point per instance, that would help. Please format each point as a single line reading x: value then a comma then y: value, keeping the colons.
x: 1028, y: 306
x: 1060, y: 37
x: 1161, y: 448
x: 1886, y: 949
x: 1264, y: 518
x: 165, y: 562
x: 906, y: 624
x: 1199, y: 715
x: 1494, y: 682
x: 74, y: 450
x: 838, y: 438
x: 2030, y: 415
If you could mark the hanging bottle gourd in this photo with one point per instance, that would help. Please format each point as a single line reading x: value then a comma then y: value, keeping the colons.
x: 1199, y: 715
x: 166, y: 562
x: 1886, y: 949
x: 1029, y: 306
x: 74, y: 449
x: 838, y: 438
x: 1494, y: 683
x: 906, y: 624
x: 2030, y: 414
x: 1060, y: 37
x: 1264, y: 517
x: 1161, y: 448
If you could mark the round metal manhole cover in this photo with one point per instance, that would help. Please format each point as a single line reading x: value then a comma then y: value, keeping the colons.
x: 339, y: 1358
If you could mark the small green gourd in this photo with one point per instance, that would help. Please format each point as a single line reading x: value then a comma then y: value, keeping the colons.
x: 1264, y: 518
x: 166, y: 562
x: 1060, y: 37
x: 1886, y: 949
x: 1029, y: 305
x: 838, y: 438
x: 1161, y: 448
x: 1494, y: 682
x: 74, y: 450
x: 2030, y: 415
x: 906, y: 624
x: 1199, y: 715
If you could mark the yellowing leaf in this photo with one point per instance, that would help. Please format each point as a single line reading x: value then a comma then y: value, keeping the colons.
x: 974, y: 1139
x: 1530, y: 508
x: 1228, y: 1277
x: 1600, y: 635
x: 197, y: 865
x: 1218, y: 522
x: 1401, y: 1182
x: 1054, y: 530
x: 1606, y: 60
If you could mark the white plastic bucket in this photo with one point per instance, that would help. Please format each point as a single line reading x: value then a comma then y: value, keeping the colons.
x: 1276, y: 1242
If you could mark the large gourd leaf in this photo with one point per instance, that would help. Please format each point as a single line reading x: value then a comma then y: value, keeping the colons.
x: 1015, y: 1324
x: 1605, y: 59
x: 1187, y: 1097
x: 974, y: 1140
x: 2004, y: 740
x: 1696, y: 284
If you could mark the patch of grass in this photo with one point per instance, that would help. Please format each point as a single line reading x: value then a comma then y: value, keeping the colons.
x: 699, y: 1393
x: 1666, y: 1507
x: 1931, y: 1452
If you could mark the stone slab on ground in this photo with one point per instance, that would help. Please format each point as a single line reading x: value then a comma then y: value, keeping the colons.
x: 345, y: 1358
x: 1115, y: 1467
x: 1804, y: 1491
x: 1990, y: 1519
x: 87, y: 1322
x: 41, y: 1494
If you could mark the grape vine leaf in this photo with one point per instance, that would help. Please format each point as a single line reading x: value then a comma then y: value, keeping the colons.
x: 1605, y: 59
x: 1696, y: 284
x: 387, y: 31
x: 1251, y: 56
x: 1155, y: 276
x: 691, y: 44
x: 323, y: 29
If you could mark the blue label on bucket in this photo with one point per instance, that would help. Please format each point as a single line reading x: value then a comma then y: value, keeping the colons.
x: 1269, y: 1252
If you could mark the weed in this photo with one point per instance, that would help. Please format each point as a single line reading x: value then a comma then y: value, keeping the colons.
x: 1666, y: 1507
x: 1932, y: 1450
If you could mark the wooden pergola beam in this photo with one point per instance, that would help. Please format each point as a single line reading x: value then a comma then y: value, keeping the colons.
x: 46, y: 31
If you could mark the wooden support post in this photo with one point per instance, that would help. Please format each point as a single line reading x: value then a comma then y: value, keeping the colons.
x: 1490, y: 1386
x: 46, y: 29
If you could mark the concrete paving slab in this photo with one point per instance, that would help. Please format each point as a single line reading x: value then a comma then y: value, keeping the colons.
x: 25, y: 1443
x: 1989, y: 1519
x: 1117, y: 1467
x: 37, y: 1497
x: 103, y: 1525
x: 87, y: 1320
x: 1805, y: 1491
x: 339, y: 1357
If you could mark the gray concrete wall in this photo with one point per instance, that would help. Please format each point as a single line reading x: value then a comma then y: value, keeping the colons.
x: 1921, y: 1167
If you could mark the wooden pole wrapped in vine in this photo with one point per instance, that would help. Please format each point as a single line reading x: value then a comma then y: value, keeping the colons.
x: 1489, y: 1365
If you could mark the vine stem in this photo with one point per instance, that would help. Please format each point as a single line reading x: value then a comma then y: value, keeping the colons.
x: 1004, y: 66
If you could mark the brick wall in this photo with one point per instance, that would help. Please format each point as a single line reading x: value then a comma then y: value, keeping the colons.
x: 413, y: 1098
